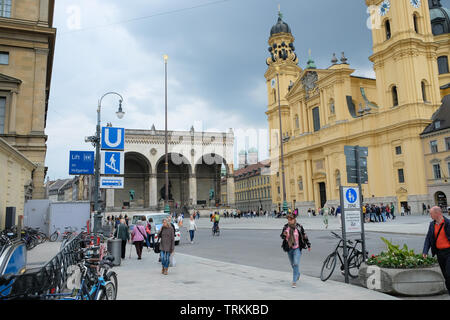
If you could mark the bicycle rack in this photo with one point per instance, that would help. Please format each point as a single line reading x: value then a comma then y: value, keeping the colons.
x: 52, y: 277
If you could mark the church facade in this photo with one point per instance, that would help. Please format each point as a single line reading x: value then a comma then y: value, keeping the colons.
x: 324, y: 110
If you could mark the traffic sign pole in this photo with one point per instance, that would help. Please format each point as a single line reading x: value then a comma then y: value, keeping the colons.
x: 344, y: 236
x: 363, y: 236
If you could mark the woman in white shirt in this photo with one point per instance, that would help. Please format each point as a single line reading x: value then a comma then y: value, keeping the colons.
x: 192, y: 228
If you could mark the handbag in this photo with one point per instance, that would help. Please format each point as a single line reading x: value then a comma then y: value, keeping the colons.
x: 156, y: 247
x: 285, y: 246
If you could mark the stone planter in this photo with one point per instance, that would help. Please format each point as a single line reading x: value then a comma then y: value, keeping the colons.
x: 406, y: 282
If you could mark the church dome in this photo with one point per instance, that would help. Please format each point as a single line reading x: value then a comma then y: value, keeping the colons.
x: 280, y: 27
x: 440, y: 18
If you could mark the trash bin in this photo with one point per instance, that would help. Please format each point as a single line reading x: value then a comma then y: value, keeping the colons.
x: 114, y: 247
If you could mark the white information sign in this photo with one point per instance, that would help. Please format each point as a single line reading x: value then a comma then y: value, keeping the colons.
x: 111, y: 182
x: 352, y: 221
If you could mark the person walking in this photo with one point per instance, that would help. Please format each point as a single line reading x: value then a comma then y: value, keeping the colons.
x: 138, y: 236
x: 438, y: 239
x: 167, y: 245
x: 192, y: 227
x: 325, y: 216
x: 296, y: 238
x: 123, y: 234
x: 392, y: 211
x: 151, y: 232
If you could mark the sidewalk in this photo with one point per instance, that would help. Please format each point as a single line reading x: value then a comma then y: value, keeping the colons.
x: 416, y: 225
x: 197, y: 278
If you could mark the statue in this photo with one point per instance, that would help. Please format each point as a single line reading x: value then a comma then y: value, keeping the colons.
x: 163, y: 192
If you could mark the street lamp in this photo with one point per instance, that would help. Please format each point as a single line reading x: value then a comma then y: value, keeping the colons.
x: 285, y: 207
x: 166, y: 162
x: 120, y: 114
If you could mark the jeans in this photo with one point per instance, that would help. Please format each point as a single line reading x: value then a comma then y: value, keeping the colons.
x: 165, y: 259
x: 152, y: 238
x: 294, y: 258
x: 191, y: 234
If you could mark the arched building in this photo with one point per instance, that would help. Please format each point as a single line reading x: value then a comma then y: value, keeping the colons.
x: 195, y: 164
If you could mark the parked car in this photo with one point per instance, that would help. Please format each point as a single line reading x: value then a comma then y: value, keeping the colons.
x: 158, y: 218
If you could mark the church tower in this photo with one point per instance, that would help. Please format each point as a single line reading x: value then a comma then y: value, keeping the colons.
x: 404, y: 56
x: 282, y: 64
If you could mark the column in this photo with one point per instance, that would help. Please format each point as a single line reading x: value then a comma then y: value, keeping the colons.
x: 153, y: 190
x: 193, y: 189
x: 12, y: 113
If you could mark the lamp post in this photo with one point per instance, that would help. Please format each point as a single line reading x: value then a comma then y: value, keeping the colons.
x: 166, y: 162
x: 285, y: 207
x: 120, y: 114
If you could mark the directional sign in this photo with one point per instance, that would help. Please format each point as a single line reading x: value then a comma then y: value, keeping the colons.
x: 113, y: 138
x: 81, y: 162
x: 112, y: 162
x: 351, y: 198
x: 352, y: 172
x: 111, y: 182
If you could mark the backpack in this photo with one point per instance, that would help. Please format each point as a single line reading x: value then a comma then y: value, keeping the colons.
x: 148, y: 228
x: 216, y: 218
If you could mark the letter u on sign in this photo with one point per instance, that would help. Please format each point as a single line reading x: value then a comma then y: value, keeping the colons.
x: 113, y: 138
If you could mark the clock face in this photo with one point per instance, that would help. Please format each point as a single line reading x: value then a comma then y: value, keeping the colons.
x: 415, y: 3
x: 384, y: 8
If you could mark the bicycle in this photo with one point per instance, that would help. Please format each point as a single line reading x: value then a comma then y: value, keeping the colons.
x: 354, y: 259
x: 215, y: 230
x: 55, y: 235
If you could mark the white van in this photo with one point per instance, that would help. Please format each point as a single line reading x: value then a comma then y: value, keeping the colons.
x: 158, y: 218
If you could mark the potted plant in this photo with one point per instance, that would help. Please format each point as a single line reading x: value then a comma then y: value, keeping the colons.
x: 400, y: 271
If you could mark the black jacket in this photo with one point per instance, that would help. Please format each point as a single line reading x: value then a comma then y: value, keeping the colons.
x: 430, y: 240
x: 303, y: 239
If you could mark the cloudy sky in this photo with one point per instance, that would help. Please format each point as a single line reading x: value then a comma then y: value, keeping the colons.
x: 217, y: 51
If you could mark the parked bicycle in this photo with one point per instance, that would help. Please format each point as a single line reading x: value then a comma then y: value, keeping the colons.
x: 354, y: 258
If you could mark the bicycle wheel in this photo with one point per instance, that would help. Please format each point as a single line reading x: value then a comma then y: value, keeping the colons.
x: 30, y: 243
x: 112, y: 276
x: 54, y: 237
x: 328, y: 266
x: 354, y: 263
x: 106, y: 292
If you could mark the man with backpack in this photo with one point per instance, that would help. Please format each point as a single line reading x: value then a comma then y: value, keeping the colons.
x: 216, y: 219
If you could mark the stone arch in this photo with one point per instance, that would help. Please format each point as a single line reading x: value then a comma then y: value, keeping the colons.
x: 208, y: 170
x: 136, y: 182
x: 179, y: 171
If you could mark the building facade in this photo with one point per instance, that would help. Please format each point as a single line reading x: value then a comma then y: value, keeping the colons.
x: 15, y: 180
x: 253, y: 188
x: 26, y: 58
x: 323, y: 110
x: 436, y: 150
x: 197, y: 161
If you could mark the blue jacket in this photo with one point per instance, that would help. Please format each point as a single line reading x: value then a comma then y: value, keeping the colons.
x: 430, y: 241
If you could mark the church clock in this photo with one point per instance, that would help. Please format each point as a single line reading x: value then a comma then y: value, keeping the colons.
x: 384, y: 8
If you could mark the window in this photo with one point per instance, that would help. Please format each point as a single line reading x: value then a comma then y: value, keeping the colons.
x: 394, y: 96
x: 5, y: 8
x: 437, y: 124
x: 2, y: 114
x: 401, y: 176
x: 447, y: 143
x: 433, y: 146
x: 424, y: 91
x: 4, y: 57
x: 278, y: 190
x: 398, y: 150
x: 416, y: 24
x: 387, y: 26
x: 443, y: 64
x: 316, y: 119
x: 437, y: 171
